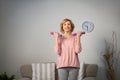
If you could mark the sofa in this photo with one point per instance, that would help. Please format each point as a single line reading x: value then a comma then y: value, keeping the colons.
x: 87, y: 72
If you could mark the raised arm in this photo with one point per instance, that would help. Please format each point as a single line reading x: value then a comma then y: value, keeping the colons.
x: 57, y: 47
x: 78, y: 42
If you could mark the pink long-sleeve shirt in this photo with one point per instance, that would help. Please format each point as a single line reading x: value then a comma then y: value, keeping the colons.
x: 68, y: 52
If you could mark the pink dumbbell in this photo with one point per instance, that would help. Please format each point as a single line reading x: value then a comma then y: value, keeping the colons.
x: 52, y: 33
x: 74, y: 34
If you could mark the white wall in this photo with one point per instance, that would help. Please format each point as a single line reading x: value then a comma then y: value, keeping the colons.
x: 26, y: 25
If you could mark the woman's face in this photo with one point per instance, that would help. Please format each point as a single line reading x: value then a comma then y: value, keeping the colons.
x: 67, y: 26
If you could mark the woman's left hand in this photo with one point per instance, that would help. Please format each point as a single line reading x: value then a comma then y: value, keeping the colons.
x: 79, y: 33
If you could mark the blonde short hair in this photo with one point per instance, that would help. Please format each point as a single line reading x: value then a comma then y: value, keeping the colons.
x: 65, y: 20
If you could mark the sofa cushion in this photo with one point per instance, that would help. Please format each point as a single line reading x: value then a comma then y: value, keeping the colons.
x: 89, y: 78
x: 43, y: 71
x: 24, y: 79
x: 26, y: 71
x: 90, y: 70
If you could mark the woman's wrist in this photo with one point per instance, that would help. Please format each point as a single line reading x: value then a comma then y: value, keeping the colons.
x: 57, y: 41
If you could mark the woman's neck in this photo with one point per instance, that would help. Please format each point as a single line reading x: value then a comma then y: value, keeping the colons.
x: 67, y: 34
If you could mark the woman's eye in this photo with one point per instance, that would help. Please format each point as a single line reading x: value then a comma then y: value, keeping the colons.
x: 64, y: 24
x: 68, y: 24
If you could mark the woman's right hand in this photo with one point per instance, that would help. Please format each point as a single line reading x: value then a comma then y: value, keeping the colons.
x: 56, y: 34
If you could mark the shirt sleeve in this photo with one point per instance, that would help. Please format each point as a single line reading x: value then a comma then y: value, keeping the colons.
x: 57, y: 47
x: 57, y: 50
x: 78, y: 47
